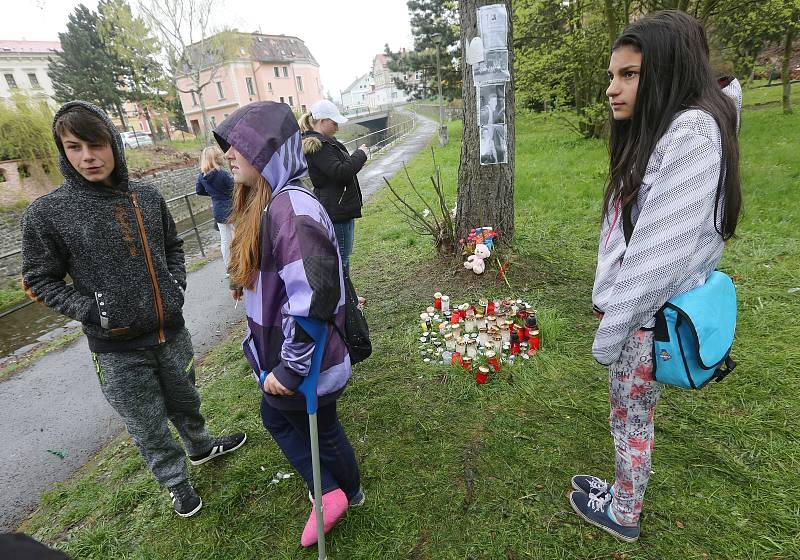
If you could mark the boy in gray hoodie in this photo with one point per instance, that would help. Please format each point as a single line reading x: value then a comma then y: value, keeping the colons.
x: 117, y: 241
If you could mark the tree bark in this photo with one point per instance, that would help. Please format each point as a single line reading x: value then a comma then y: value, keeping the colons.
x: 786, y: 76
x: 485, y: 192
x: 611, y: 22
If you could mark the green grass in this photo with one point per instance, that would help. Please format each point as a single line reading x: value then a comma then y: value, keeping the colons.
x: 760, y: 94
x: 10, y: 294
x: 453, y: 470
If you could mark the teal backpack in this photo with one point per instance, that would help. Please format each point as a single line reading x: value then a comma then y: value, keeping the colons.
x: 693, y: 334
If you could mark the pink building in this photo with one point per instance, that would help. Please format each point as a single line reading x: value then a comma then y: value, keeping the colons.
x: 277, y: 68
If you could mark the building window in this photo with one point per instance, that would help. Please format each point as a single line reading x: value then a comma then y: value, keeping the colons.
x: 34, y: 80
x: 277, y: 72
x: 219, y: 90
x: 285, y: 71
x: 282, y: 100
x: 303, y: 108
x: 250, y: 89
x: 291, y: 101
x: 194, y: 98
x: 12, y: 83
x: 299, y: 83
x: 269, y: 87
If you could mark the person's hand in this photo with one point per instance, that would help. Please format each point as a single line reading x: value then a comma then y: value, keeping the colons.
x: 236, y: 293
x: 274, y: 387
x: 364, y: 148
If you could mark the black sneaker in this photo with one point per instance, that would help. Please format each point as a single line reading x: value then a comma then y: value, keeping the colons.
x: 593, y: 508
x: 184, y: 499
x: 221, y: 446
x: 590, y: 484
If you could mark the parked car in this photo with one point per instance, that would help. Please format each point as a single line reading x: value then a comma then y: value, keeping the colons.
x: 136, y: 139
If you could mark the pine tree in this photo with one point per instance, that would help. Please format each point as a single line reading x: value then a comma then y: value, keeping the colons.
x: 428, y: 18
x: 85, y: 69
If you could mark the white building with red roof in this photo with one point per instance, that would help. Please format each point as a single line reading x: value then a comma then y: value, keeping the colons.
x: 23, y: 65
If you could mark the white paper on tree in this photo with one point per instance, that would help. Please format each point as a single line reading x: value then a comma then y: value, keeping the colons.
x: 475, y: 51
x: 491, y: 101
x: 493, y: 69
x: 493, y: 26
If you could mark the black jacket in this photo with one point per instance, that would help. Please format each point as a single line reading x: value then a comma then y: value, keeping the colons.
x: 333, y: 174
x: 121, y: 249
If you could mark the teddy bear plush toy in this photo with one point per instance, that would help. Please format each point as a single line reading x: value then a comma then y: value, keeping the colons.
x: 475, y: 262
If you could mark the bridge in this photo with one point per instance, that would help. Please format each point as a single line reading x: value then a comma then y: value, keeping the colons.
x: 374, y: 118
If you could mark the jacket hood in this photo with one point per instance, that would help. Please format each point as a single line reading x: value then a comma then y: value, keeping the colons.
x: 311, y: 144
x: 120, y: 166
x: 267, y: 135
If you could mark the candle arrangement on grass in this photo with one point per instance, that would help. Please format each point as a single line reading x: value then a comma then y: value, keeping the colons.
x: 480, y: 338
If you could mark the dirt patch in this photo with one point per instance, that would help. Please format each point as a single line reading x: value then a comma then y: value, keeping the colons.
x: 419, y: 549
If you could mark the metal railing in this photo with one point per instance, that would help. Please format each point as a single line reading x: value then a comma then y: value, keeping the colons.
x: 195, y: 228
x: 391, y: 133
x: 360, y: 110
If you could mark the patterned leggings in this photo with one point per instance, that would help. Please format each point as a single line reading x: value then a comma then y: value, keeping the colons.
x: 634, y: 393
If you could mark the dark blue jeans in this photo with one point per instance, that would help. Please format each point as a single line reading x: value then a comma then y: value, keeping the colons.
x: 338, y: 467
x: 345, y: 236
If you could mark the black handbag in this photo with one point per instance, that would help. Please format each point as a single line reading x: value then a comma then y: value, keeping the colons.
x: 356, y: 329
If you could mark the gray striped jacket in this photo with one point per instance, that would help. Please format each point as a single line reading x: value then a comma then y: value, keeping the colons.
x: 675, y: 245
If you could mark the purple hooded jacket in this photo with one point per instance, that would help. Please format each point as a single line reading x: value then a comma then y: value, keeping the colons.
x: 301, y: 271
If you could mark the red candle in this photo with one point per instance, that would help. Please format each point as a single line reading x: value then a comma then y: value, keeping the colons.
x: 481, y: 375
x: 494, y: 363
x: 466, y: 363
x: 535, y: 339
x: 456, y: 359
x: 490, y: 308
x: 437, y: 300
x: 454, y: 317
x: 514, y: 344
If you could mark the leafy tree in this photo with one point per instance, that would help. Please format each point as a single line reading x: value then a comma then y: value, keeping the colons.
x: 85, y: 69
x: 192, y: 49
x: 428, y: 18
x: 25, y: 131
x: 128, y: 40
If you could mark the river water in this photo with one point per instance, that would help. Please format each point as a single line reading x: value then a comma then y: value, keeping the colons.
x: 22, y: 330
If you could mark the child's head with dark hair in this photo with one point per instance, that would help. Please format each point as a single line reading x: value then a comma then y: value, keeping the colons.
x: 86, y: 141
x: 660, y: 66
x: 83, y: 124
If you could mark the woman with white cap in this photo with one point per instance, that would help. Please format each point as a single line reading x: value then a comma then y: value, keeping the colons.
x: 333, y: 171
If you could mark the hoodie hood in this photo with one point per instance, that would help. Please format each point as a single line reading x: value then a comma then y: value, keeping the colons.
x: 267, y: 135
x: 120, y: 166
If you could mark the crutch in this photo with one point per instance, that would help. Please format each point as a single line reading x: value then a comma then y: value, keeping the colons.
x: 318, y: 331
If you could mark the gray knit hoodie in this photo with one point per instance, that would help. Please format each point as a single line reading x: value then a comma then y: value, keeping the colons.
x: 118, y: 245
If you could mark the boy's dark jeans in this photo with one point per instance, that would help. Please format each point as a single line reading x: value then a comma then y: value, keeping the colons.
x: 338, y: 465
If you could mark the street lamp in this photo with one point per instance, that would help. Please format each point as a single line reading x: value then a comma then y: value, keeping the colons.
x: 437, y: 40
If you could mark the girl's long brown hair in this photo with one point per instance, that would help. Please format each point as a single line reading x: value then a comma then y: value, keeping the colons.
x: 248, y: 206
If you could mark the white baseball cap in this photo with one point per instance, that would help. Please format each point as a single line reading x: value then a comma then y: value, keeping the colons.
x: 324, y: 109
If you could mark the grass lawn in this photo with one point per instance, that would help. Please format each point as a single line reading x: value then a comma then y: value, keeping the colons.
x: 454, y: 470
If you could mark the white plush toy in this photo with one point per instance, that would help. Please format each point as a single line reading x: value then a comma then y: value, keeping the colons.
x: 475, y: 262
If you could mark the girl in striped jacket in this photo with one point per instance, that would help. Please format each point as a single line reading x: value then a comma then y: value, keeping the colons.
x: 672, y: 199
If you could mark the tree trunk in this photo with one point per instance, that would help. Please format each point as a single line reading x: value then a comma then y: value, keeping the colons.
x: 121, y: 113
x: 206, y: 128
x: 786, y: 76
x: 611, y: 22
x: 485, y: 192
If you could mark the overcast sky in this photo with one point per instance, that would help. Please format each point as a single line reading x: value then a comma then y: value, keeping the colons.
x: 343, y: 35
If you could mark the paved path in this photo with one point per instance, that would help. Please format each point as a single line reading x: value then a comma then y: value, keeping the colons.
x: 55, y: 406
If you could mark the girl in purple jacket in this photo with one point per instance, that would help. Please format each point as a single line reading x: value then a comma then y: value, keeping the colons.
x: 285, y: 257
